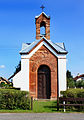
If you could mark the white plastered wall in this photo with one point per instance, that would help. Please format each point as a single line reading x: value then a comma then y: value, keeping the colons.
x: 17, y: 80
x: 62, y: 74
x: 21, y: 79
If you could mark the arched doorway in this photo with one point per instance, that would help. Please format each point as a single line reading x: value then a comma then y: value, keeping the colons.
x: 44, y: 82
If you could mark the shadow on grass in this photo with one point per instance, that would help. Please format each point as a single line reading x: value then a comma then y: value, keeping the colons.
x: 53, y: 108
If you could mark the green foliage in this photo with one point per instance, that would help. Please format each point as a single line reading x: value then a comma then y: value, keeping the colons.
x: 18, y: 68
x: 69, y: 74
x: 70, y: 83
x: 2, y: 84
x: 70, y: 80
x: 80, y: 83
x: 14, y: 99
x: 7, y: 86
x: 75, y: 93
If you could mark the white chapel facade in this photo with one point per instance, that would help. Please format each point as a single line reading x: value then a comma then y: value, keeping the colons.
x: 43, y: 64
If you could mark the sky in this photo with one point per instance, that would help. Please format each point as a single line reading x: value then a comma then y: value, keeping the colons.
x: 17, y: 26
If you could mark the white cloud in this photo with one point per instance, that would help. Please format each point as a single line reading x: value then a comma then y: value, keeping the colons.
x: 2, y: 66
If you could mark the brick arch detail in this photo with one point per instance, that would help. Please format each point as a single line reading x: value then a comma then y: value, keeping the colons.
x: 43, y: 62
x: 34, y: 63
x: 43, y: 22
x: 42, y: 65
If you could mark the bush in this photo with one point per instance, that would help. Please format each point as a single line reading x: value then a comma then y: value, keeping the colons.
x: 14, y: 99
x: 73, y: 93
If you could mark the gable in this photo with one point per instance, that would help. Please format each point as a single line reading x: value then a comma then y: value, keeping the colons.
x: 42, y: 17
x: 43, y: 52
x: 33, y: 47
x: 43, y: 56
x: 42, y: 14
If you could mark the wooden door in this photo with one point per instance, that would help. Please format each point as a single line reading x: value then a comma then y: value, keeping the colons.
x: 44, y: 83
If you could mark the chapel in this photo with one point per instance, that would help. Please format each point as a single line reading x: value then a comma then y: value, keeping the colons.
x: 43, y: 64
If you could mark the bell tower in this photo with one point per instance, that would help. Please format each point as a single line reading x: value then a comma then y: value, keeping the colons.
x: 42, y: 21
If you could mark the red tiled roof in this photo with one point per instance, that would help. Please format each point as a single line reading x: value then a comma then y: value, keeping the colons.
x: 79, y: 76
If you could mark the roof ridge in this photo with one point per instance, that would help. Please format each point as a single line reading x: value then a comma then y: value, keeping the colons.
x: 60, y: 46
x: 44, y: 14
x: 28, y: 46
x: 33, y: 44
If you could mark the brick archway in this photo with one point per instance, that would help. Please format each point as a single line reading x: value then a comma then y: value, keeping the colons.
x: 43, y: 57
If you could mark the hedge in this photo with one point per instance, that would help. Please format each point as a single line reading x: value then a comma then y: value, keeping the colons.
x: 73, y: 93
x: 14, y: 99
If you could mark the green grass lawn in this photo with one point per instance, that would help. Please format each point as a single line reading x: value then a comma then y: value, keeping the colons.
x: 44, y: 106
x: 38, y: 107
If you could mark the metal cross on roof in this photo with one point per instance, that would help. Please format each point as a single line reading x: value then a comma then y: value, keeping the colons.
x: 42, y: 7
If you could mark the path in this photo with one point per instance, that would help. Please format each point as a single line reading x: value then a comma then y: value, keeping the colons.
x: 41, y: 116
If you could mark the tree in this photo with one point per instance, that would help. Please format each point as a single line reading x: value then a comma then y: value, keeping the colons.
x: 70, y: 83
x: 18, y: 68
x: 70, y: 80
x: 69, y: 74
x: 80, y: 83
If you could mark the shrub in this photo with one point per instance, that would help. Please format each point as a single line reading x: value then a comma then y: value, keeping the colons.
x: 73, y: 93
x: 14, y: 99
